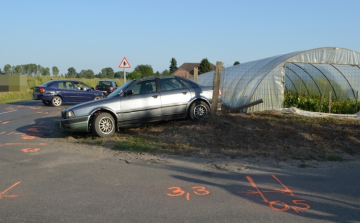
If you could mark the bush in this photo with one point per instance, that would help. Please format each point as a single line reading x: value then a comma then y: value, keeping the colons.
x: 312, y: 103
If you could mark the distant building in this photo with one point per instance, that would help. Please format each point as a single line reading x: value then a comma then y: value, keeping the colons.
x: 188, y: 67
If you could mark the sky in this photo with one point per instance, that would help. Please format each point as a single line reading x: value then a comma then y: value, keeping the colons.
x: 96, y: 34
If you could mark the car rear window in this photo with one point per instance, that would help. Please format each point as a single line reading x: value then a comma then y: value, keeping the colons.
x: 104, y: 83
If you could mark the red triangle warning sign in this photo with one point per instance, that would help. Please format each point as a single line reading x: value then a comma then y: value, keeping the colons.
x: 124, y: 63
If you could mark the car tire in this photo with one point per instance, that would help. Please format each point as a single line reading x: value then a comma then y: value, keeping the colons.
x: 97, y: 98
x: 198, y: 110
x: 103, y: 125
x: 56, y: 101
x: 46, y: 102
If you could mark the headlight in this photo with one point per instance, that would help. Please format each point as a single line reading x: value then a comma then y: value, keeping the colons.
x: 69, y: 114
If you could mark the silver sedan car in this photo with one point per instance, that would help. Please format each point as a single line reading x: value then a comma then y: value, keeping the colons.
x: 139, y: 101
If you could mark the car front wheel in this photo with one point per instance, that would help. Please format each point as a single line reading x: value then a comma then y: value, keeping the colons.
x: 198, y: 110
x: 103, y: 125
x: 56, y: 101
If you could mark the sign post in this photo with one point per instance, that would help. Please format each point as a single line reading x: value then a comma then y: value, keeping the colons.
x: 124, y: 64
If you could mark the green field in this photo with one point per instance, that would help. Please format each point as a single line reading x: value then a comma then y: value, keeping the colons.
x: 7, y: 97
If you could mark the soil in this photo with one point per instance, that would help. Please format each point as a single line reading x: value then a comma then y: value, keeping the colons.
x: 260, y: 137
x: 267, y: 134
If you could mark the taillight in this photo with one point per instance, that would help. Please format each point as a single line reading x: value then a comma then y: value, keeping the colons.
x: 42, y: 90
x: 111, y: 88
x: 96, y: 88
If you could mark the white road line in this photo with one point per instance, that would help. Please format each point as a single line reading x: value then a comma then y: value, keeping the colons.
x: 7, y: 112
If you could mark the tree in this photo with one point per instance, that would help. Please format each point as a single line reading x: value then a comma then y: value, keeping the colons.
x: 165, y: 72
x: 173, y: 65
x: 7, y: 69
x: 205, y: 66
x: 89, y: 74
x: 134, y: 75
x: 55, y: 71
x: 107, y: 73
x: 145, y: 70
x: 119, y: 74
x: 71, y: 73
x: 236, y: 63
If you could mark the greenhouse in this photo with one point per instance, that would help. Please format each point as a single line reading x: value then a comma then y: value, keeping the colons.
x: 328, y: 72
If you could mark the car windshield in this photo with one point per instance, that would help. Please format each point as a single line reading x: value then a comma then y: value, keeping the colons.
x: 121, y: 89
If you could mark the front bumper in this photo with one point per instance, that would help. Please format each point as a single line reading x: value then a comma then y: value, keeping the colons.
x: 77, y: 124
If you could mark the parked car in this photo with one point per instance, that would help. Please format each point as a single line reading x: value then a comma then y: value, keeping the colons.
x: 138, y: 101
x: 55, y: 92
x: 106, y: 86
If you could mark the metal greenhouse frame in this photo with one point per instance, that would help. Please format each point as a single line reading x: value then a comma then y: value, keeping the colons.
x: 311, y: 72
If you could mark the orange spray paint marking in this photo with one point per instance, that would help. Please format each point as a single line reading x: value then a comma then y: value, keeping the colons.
x: 177, y: 191
x: 35, y: 108
x: 2, y: 133
x: 20, y: 106
x: 299, y: 209
x: 10, y: 108
x: 17, y: 144
x: 287, y: 190
x: 33, y: 130
x: 250, y: 192
x: 5, y: 122
x: 28, y: 137
x: 277, y: 205
x: 2, y: 194
x: 10, y: 133
x: 29, y: 150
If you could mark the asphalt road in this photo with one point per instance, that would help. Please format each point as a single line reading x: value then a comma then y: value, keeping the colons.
x: 45, y: 177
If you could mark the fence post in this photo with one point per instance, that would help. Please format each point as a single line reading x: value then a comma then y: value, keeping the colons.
x: 320, y: 102
x: 216, y: 87
x: 330, y: 101
x: 196, y: 74
x: 356, y: 99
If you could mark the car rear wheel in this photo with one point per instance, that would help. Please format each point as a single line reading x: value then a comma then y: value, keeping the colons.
x: 56, y: 101
x: 103, y: 125
x: 46, y: 102
x: 198, y: 110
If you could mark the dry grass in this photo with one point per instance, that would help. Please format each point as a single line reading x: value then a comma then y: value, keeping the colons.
x: 269, y: 134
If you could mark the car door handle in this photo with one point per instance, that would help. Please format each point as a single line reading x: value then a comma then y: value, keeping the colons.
x: 184, y: 92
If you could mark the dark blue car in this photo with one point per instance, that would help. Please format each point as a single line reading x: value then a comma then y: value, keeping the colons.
x: 56, y: 92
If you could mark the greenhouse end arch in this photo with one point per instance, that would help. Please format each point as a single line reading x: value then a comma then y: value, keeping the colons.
x: 312, y: 72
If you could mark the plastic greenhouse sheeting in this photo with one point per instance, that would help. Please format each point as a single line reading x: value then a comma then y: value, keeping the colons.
x: 311, y: 72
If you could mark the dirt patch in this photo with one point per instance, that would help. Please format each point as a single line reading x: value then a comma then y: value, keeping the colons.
x: 266, y: 134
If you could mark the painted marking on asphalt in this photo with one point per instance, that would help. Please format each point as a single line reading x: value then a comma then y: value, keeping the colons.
x: 277, y: 205
x: 7, y: 112
x: 177, y: 191
x: 2, y: 194
x: 19, y: 144
x: 30, y: 150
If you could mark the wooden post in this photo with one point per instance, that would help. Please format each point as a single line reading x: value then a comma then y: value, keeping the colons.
x: 330, y: 101
x: 187, y: 75
x: 196, y: 74
x: 356, y: 99
x: 216, y: 87
x: 320, y: 102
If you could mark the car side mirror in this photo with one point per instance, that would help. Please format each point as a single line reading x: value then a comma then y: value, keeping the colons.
x: 128, y: 93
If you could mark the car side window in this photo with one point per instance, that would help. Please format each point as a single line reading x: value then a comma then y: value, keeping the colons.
x: 80, y: 86
x: 145, y: 87
x: 168, y: 84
